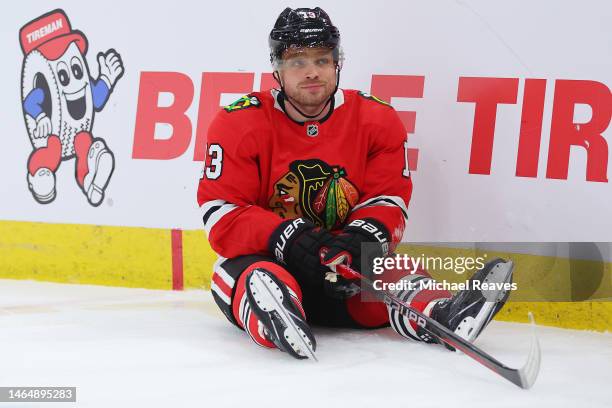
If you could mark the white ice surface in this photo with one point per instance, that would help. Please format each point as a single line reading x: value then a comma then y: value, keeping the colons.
x: 147, y: 348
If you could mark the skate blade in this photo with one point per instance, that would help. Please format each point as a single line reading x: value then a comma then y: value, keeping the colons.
x: 471, y: 327
x: 269, y: 299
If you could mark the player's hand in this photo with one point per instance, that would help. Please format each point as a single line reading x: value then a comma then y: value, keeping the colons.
x: 360, y: 239
x: 296, y: 243
x: 338, y: 285
x: 110, y: 67
x: 43, y: 127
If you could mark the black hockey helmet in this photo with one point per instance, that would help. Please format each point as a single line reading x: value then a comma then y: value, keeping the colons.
x: 303, y: 27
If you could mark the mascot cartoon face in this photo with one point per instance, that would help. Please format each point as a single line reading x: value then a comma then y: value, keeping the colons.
x: 73, y: 76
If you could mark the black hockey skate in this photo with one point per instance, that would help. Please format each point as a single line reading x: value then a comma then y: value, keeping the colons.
x: 284, y: 323
x: 469, y: 311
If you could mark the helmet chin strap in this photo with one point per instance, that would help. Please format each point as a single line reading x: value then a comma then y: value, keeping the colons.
x: 288, y: 98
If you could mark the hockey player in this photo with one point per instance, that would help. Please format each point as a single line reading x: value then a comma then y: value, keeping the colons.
x: 296, y: 179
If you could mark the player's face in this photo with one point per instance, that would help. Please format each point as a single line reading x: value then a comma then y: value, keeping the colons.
x: 308, y: 76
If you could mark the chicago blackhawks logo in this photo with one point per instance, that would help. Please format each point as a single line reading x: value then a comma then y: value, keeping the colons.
x: 246, y: 101
x: 316, y: 190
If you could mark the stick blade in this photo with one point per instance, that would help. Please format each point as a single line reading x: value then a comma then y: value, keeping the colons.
x: 529, y: 372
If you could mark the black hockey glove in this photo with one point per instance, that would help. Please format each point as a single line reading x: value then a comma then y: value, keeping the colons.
x: 297, y: 243
x: 346, y: 248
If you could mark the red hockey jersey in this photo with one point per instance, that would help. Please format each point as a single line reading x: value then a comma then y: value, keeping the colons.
x: 262, y: 167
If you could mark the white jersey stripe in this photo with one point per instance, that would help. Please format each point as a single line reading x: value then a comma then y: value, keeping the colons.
x: 209, y: 204
x: 384, y: 201
x: 216, y: 216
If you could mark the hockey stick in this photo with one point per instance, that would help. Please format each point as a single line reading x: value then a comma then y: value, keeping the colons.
x: 523, y: 377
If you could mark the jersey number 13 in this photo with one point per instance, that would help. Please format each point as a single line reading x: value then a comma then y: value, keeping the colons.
x: 213, y: 163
